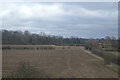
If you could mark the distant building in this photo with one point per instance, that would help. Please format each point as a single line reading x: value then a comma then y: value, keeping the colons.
x: 105, y: 44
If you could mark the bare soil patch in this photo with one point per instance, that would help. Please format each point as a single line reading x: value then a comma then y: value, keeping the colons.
x: 62, y: 62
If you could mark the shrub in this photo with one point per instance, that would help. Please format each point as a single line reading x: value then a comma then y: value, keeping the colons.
x: 111, y: 58
x: 108, y: 57
x: 98, y: 52
x: 25, y: 70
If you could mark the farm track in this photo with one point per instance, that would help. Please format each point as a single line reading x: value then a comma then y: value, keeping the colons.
x: 65, y: 63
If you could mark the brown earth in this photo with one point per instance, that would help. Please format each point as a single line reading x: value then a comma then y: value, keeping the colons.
x: 67, y: 62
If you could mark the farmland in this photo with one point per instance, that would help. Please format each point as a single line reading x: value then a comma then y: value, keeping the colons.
x: 56, y: 61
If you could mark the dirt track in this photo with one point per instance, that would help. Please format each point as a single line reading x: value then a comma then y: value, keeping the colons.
x: 65, y: 63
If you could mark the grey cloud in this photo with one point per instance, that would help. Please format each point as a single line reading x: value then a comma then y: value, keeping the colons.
x: 66, y: 23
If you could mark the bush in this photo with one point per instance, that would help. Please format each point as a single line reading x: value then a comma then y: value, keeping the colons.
x: 111, y: 58
x: 98, y: 52
x: 25, y: 70
x: 108, y: 57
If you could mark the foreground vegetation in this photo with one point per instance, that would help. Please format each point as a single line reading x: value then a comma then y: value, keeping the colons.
x: 26, y: 70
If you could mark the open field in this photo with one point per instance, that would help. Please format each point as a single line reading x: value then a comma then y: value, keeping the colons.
x: 62, y: 61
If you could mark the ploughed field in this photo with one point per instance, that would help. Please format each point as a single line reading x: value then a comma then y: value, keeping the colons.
x: 55, y: 61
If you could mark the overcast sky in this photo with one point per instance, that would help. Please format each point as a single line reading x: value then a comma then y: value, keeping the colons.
x: 81, y: 19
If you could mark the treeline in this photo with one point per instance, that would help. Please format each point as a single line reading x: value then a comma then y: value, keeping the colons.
x: 107, y: 48
x: 107, y: 43
x: 19, y: 37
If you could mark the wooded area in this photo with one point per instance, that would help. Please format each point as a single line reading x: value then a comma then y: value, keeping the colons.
x: 19, y: 37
